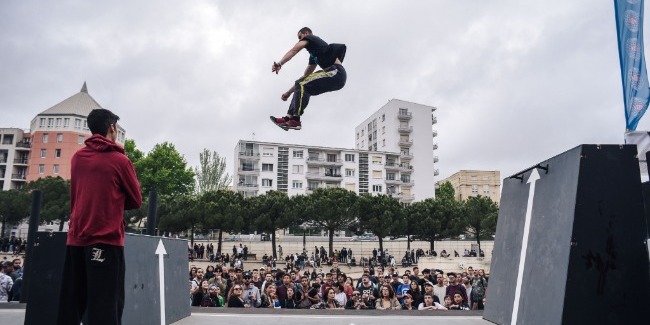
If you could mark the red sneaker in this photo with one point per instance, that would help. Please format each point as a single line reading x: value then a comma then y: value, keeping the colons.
x: 293, y: 124
x: 279, y: 120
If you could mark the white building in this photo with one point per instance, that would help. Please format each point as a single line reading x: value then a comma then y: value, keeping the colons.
x: 299, y: 169
x: 405, y: 128
x: 14, y: 158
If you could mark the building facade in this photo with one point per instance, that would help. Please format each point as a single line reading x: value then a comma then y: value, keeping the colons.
x: 14, y: 158
x: 407, y: 129
x: 58, y: 132
x: 298, y: 169
x: 468, y: 183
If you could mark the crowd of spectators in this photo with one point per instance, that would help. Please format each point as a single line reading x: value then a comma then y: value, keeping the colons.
x: 13, y: 245
x: 298, y: 286
x: 11, y: 279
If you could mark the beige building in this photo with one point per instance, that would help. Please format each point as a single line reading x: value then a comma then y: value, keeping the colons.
x: 468, y: 183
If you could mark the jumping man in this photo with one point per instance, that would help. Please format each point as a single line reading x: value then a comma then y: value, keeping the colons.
x: 327, y: 56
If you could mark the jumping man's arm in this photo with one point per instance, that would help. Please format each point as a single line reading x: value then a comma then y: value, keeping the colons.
x: 292, y: 52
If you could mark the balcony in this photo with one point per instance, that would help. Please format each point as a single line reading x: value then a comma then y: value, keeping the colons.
x: 435, y: 146
x: 314, y: 161
x: 406, y: 143
x: 405, y: 116
x: 435, y: 133
x: 436, y: 172
x: 434, y: 120
x: 408, y: 182
x: 324, y: 176
x: 249, y: 154
x: 18, y: 177
x: 392, y: 166
x: 248, y: 171
x: 3, y: 160
x: 405, y: 129
x: 23, y: 145
x: 408, y: 197
x: 405, y: 169
x: 435, y: 159
x: 404, y: 155
x: 393, y: 181
x: 21, y: 161
x: 247, y: 187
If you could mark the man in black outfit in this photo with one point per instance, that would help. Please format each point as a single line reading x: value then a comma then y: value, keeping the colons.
x: 333, y: 76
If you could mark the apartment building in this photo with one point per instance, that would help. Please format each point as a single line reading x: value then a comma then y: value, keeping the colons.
x: 58, y: 132
x: 298, y: 169
x: 407, y: 129
x: 14, y: 158
x: 468, y: 183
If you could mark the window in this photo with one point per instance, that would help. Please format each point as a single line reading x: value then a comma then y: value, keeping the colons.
x: 383, y: 129
x: 77, y: 123
x: 390, y: 176
x: 349, y: 172
x: 41, y: 123
x: 376, y: 160
x: 267, y: 167
x: 406, y: 178
x: 59, y: 137
x: 267, y: 182
x: 474, y: 178
x: 297, y: 154
x: 50, y: 122
x: 383, y: 117
x: 369, y: 127
x: 357, y: 135
x: 350, y: 186
x: 80, y: 139
x: 66, y: 122
x: 247, y: 166
x: 85, y: 125
x: 297, y: 184
x: 374, y: 146
x: 349, y: 157
x: 43, y: 153
x: 376, y: 188
x: 376, y: 174
x: 267, y: 152
x: 331, y: 157
x: 474, y: 189
x: 45, y: 137
x: 298, y: 169
x: 41, y: 169
x: 361, y: 132
x: 57, y: 153
x: 55, y: 170
x: 403, y: 111
x: 486, y: 189
x: 58, y: 122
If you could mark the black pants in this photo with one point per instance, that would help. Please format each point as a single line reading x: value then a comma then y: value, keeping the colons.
x: 92, y: 285
x: 330, y: 79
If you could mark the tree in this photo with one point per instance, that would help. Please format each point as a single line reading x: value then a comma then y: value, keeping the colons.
x: 223, y: 210
x: 211, y: 174
x: 56, y: 198
x: 480, y: 217
x: 165, y: 169
x: 381, y: 214
x: 180, y: 213
x: 332, y: 209
x: 14, y: 207
x: 271, y: 211
x: 134, y: 154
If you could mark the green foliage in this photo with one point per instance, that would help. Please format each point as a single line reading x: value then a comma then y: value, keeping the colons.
x: 56, y: 198
x: 271, y: 212
x: 445, y: 191
x: 480, y: 217
x: 179, y: 213
x: 211, y: 174
x: 132, y: 152
x: 381, y: 215
x: 331, y: 209
x: 165, y: 169
x: 14, y: 207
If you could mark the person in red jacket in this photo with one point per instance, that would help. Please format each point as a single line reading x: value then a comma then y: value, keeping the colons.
x: 103, y: 184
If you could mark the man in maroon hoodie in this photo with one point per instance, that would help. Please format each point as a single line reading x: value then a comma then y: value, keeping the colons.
x: 103, y: 185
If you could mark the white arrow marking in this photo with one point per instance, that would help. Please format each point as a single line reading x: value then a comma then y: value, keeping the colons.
x: 160, y: 251
x: 534, y: 176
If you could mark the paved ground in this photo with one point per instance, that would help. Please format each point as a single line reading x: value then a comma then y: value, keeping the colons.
x: 14, y: 314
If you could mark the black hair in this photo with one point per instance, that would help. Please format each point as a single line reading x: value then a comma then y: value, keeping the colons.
x: 305, y: 29
x: 99, y: 120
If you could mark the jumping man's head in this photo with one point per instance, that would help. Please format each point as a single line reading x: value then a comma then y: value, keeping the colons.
x: 304, y: 32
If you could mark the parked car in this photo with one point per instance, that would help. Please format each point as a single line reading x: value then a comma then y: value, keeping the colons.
x: 364, y: 237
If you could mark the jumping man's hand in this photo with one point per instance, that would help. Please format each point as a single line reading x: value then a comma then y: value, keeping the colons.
x: 285, y: 96
x: 276, y: 67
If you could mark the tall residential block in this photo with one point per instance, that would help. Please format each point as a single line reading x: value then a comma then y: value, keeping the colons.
x: 14, y: 158
x: 468, y: 183
x: 407, y: 129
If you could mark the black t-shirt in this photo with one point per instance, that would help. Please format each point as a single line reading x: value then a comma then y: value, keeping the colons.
x: 322, y: 53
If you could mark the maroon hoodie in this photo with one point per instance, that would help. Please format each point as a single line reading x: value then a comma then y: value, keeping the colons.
x: 103, y: 185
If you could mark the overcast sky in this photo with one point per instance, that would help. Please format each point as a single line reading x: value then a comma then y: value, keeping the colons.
x: 514, y: 82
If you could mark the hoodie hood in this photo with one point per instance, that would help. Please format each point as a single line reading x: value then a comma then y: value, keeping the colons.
x: 100, y: 143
